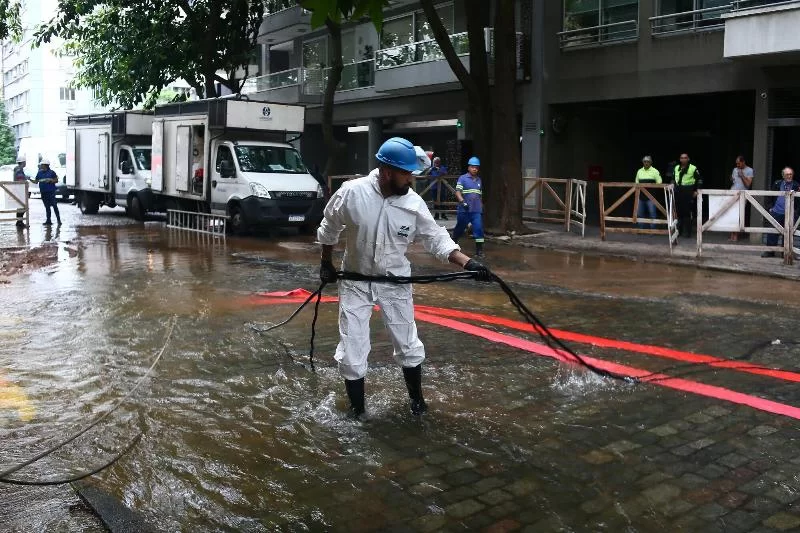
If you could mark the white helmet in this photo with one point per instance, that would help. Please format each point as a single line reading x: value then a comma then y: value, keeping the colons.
x: 45, y: 161
x: 20, y: 159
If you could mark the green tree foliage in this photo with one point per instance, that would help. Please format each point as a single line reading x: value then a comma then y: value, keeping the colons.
x: 128, y: 50
x: 10, y: 25
x: 8, y: 151
x: 332, y: 14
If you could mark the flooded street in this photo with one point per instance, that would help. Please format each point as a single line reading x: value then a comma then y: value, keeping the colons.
x: 239, y: 436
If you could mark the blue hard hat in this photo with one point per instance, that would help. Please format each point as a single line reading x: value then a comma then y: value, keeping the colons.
x: 474, y: 162
x: 399, y: 153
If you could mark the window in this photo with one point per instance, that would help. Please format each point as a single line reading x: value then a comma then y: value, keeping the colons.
x: 689, y: 14
x: 397, y: 32
x: 315, y: 53
x: 223, y: 154
x: 67, y: 93
x: 142, y: 157
x: 269, y: 159
x: 124, y: 156
x: 412, y: 28
x: 592, y: 21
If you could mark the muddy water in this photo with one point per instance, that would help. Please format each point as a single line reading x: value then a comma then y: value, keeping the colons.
x: 240, y: 437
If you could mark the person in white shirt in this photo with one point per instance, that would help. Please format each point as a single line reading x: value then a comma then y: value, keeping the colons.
x: 741, y: 180
x: 381, y: 216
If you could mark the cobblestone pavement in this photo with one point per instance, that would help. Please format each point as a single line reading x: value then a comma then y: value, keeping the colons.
x: 239, y: 437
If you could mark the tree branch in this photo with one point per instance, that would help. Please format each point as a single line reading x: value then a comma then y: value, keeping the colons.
x: 446, y: 46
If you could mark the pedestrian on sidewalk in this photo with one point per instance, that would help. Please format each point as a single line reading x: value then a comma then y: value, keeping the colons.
x: 381, y: 216
x: 469, y: 192
x: 741, y: 180
x: 19, y: 176
x: 687, y: 180
x: 436, y: 171
x: 647, y: 174
x: 778, y: 209
x: 46, y: 178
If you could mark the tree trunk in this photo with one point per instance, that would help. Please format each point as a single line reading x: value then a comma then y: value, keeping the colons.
x: 480, y: 106
x: 333, y: 146
x: 504, y: 204
x: 475, y: 81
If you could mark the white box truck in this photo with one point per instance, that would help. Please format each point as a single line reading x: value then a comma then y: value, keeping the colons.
x: 230, y: 156
x: 108, y: 160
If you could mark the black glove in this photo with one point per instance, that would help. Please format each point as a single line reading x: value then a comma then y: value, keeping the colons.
x: 327, y: 272
x: 465, y: 205
x: 484, y: 274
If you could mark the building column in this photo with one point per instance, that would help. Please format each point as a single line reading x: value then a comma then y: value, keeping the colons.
x: 761, y: 155
x: 374, y: 141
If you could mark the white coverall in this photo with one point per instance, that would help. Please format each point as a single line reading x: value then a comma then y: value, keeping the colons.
x: 378, y: 231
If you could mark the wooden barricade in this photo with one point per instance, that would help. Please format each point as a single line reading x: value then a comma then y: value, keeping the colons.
x: 727, y: 214
x: 13, y: 200
x: 334, y: 182
x: 444, y: 198
x: 553, y: 200
x: 636, y: 190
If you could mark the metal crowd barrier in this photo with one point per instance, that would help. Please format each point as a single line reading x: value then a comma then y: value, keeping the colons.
x: 206, y: 223
x: 726, y: 212
x: 13, y: 200
x: 636, y: 190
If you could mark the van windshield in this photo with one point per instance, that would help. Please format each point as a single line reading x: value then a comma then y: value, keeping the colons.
x: 269, y: 159
x: 142, y: 157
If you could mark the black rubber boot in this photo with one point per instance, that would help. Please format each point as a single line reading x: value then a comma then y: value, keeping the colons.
x: 413, y: 377
x: 479, y: 249
x: 355, y: 391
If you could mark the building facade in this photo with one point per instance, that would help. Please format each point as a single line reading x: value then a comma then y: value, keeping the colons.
x: 608, y: 81
x: 37, y: 87
x: 393, y: 83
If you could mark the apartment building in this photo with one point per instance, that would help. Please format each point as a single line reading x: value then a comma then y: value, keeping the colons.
x: 37, y: 84
x: 625, y: 78
x: 393, y: 83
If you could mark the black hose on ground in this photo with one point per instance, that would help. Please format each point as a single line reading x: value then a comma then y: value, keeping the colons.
x: 538, y: 326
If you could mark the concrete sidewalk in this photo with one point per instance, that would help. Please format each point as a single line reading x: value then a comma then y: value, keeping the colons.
x: 653, y: 248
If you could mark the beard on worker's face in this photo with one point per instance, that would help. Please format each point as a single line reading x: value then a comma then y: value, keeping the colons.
x: 399, y: 190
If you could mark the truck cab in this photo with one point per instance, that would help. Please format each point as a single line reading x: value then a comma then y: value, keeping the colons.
x: 132, y: 177
x: 263, y: 184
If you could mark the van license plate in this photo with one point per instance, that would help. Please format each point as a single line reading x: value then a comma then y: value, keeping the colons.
x: 297, y: 218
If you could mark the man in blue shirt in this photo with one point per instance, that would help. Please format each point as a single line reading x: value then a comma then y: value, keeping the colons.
x: 47, y: 179
x: 437, y: 170
x: 469, y: 191
x: 778, y: 209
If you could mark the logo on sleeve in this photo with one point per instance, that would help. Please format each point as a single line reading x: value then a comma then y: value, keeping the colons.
x: 404, y: 231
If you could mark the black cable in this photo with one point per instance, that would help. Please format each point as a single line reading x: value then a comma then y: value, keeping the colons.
x: 78, y: 477
x: 45, y: 453
x: 539, y: 327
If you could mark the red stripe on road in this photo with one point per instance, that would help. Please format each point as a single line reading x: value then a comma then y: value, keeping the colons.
x: 657, y: 351
x: 663, y: 380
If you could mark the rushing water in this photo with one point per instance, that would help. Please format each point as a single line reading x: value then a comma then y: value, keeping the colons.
x: 240, y: 437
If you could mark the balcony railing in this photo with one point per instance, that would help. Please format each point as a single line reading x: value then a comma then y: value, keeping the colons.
x: 597, y: 35
x: 274, y: 80
x: 418, y: 52
x: 697, y: 20
x: 355, y: 75
x: 276, y: 6
x: 747, y: 4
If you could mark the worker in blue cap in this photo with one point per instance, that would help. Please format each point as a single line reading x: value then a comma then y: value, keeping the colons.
x: 380, y: 216
x: 469, y: 192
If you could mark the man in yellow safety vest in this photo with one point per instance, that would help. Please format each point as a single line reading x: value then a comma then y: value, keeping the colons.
x: 687, y: 181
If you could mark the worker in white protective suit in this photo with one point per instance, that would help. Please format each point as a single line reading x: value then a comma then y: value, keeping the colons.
x: 381, y: 216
